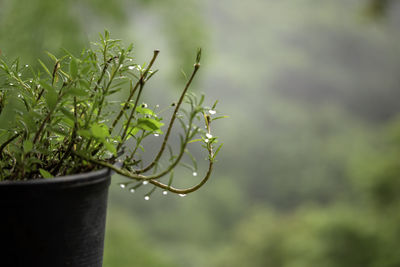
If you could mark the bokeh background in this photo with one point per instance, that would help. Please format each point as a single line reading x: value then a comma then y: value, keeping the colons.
x: 309, y: 174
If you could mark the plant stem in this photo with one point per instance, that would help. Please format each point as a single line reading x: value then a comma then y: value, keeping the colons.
x: 161, y: 151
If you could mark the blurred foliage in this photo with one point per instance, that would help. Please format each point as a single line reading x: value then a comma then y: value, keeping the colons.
x: 31, y: 27
x: 360, y: 232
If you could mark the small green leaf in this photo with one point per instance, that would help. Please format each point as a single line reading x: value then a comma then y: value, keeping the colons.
x: 100, y: 131
x: 77, y: 92
x: 84, y: 83
x: 145, y: 111
x: 67, y: 113
x: 133, y: 131
x: 84, y: 133
x: 148, y: 124
x: 73, y: 68
x: 110, y: 147
x: 45, y: 68
x: 195, y: 140
x: 28, y: 145
x: 45, y: 174
x: 51, y: 96
x: 53, y: 57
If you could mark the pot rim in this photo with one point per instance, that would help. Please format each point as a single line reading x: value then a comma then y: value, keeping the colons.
x: 73, y: 180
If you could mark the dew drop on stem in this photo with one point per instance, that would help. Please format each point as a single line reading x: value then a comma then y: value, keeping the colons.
x: 145, y: 182
x: 146, y: 198
x: 194, y: 173
x: 182, y: 195
x: 165, y: 192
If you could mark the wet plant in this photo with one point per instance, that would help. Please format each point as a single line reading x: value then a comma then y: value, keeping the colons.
x: 69, y: 118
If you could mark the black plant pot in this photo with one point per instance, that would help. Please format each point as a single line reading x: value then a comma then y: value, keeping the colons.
x: 54, y: 222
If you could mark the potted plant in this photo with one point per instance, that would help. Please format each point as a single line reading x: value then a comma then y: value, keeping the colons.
x: 64, y: 130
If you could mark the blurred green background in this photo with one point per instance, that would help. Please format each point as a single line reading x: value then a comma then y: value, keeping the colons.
x: 309, y: 174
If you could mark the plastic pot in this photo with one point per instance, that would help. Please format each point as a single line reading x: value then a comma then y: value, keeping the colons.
x: 54, y: 222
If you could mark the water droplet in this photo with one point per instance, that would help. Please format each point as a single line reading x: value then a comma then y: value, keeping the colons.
x: 157, y: 106
x: 144, y: 105
x: 130, y: 59
x: 182, y: 195
x: 19, y: 74
x: 206, y: 140
x: 145, y: 182
x: 19, y: 95
x: 131, y: 67
x: 146, y: 198
x: 212, y: 112
x: 122, y: 185
x: 194, y: 173
x: 11, y: 84
x: 165, y: 192
x: 156, y: 134
x: 26, y: 65
x: 30, y: 81
x: 132, y: 190
x: 208, y: 135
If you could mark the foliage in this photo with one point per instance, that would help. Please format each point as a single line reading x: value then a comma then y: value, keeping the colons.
x: 65, y: 119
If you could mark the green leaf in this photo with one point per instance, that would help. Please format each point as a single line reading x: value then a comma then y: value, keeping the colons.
x: 132, y: 131
x: 84, y: 83
x: 84, y: 133
x: 73, y: 68
x: 145, y: 111
x: 45, y: 174
x: 45, y: 68
x: 77, y: 92
x: 110, y: 147
x: 28, y: 145
x: 100, y: 131
x: 68, y: 113
x: 195, y: 140
x: 53, y: 57
x: 149, y: 124
x: 51, y: 96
